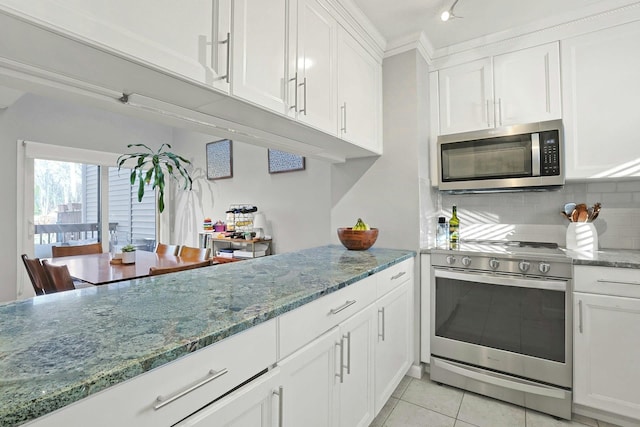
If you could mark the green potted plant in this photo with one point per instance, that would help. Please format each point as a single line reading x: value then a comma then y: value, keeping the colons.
x: 152, y: 167
x: 128, y: 254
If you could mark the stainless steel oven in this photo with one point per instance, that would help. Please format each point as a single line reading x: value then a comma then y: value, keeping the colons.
x: 501, y: 325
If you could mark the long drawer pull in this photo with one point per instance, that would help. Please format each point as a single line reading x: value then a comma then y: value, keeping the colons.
x: 280, y: 394
x: 616, y: 282
x: 347, y: 304
x: 397, y: 276
x: 212, y: 375
x: 580, y: 316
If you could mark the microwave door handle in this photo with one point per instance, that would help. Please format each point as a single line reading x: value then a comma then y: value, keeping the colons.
x: 535, y: 154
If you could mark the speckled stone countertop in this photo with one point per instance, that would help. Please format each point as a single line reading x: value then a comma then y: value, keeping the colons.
x: 620, y: 258
x: 56, y: 349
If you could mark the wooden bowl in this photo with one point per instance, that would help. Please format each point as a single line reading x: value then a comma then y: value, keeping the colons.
x: 357, y: 240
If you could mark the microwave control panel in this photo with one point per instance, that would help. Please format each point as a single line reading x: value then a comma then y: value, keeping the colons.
x: 550, y: 153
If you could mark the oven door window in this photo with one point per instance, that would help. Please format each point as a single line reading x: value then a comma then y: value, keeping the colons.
x: 518, y: 319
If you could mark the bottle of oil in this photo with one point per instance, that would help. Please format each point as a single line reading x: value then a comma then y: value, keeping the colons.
x: 454, y: 229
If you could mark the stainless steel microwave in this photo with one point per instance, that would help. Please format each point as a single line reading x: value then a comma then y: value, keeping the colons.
x: 529, y: 156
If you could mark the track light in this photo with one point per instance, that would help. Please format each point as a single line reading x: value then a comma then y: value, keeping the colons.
x: 448, y: 14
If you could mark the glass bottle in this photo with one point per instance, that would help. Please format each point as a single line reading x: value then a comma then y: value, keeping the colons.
x: 454, y: 229
x: 442, y: 233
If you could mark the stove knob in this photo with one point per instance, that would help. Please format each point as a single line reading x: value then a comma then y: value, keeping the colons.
x: 544, y: 267
x: 466, y: 261
x: 523, y: 266
x: 451, y: 259
x: 494, y: 263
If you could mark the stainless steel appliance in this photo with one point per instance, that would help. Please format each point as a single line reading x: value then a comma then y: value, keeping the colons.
x: 527, y: 156
x: 501, y: 322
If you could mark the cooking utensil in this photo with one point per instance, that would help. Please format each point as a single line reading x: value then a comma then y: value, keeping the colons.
x: 568, y: 208
x: 596, y: 211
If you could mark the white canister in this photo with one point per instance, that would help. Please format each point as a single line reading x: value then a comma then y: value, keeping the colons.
x: 129, y: 257
x: 582, y: 236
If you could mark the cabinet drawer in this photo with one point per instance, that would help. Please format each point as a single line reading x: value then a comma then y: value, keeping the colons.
x: 624, y: 282
x: 134, y: 402
x: 306, y: 323
x: 394, y: 276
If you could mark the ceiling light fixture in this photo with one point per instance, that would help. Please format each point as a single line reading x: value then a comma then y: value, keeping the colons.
x: 448, y: 14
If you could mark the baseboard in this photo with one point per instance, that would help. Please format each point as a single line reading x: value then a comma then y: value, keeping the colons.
x: 619, y: 420
x: 415, y: 371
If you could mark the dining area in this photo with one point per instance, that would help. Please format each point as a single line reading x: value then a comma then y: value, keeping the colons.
x: 78, y: 266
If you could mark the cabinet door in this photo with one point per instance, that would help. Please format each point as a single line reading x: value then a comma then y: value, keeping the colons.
x: 600, y: 91
x: 359, y: 94
x: 259, y: 45
x: 181, y: 37
x: 393, y: 347
x: 250, y: 406
x: 606, y: 353
x: 356, y: 407
x: 309, y: 380
x: 466, y: 97
x: 527, y: 85
x: 316, y: 79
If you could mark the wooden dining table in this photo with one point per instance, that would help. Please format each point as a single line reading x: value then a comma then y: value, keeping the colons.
x: 97, y: 269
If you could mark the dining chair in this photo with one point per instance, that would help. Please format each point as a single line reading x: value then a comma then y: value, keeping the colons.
x: 156, y: 271
x: 92, y: 248
x: 59, y: 276
x: 198, y: 254
x: 39, y: 278
x: 162, y: 249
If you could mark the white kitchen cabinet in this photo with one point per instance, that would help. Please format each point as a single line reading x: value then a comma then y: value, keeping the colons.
x: 600, y: 91
x: 606, y: 330
x: 355, y: 389
x: 513, y: 88
x: 259, y: 45
x: 315, y: 80
x: 359, y: 94
x: 425, y: 308
x: 253, y: 405
x: 191, y: 45
x: 393, y: 352
x: 309, y: 382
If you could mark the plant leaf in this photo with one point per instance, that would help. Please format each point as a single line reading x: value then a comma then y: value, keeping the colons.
x: 140, y: 189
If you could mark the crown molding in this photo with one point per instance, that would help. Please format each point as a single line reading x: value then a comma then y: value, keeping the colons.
x: 350, y: 16
x: 417, y: 41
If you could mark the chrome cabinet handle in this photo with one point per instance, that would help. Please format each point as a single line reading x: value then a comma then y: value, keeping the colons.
x: 580, y: 316
x: 347, y: 304
x: 402, y: 273
x: 212, y: 375
x: 304, y: 96
x: 381, y: 311
x: 295, y: 93
x: 617, y: 282
x: 343, y: 108
x: 348, y: 338
x: 228, y: 43
x: 500, y: 110
x: 487, y: 114
x: 341, y: 374
x: 280, y: 394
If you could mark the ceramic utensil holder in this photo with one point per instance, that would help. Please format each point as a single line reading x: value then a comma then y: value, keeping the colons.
x: 582, y: 236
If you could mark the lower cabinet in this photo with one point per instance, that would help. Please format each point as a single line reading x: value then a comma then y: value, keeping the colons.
x: 606, y: 331
x: 393, y: 353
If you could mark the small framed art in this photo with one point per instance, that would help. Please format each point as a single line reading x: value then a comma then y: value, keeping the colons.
x: 220, y: 159
x: 281, y: 161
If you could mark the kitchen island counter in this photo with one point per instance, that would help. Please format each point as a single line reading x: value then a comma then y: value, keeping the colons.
x: 619, y: 258
x: 57, y: 349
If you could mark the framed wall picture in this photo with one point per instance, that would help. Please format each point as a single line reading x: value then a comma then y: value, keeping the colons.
x: 281, y: 161
x: 220, y: 159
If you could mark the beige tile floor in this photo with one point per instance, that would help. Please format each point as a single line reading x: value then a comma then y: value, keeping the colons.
x: 426, y: 404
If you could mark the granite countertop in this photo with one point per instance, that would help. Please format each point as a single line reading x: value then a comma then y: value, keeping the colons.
x: 620, y: 258
x: 59, y: 348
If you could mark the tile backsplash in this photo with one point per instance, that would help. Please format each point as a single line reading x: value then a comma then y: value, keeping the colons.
x: 536, y: 215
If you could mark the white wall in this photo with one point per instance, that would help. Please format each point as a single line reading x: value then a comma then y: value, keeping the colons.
x: 296, y: 204
x: 56, y: 122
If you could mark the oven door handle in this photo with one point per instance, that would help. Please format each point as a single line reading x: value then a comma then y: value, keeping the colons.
x: 548, y: 284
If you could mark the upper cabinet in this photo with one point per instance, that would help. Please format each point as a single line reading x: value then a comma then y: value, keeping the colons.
x: 513, y: 88
x: 359, y: 94
x: 600, y: 92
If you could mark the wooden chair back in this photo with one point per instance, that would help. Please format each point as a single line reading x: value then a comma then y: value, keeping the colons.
x: 92, y: 248
x: 156, y: 271
x: 197, y: 254
x: 162, y: 249
x: 39, y: 279
x: 59, y: 276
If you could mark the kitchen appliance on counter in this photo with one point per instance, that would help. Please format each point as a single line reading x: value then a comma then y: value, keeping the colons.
x: 501, y: 322
x: 519, y: 157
